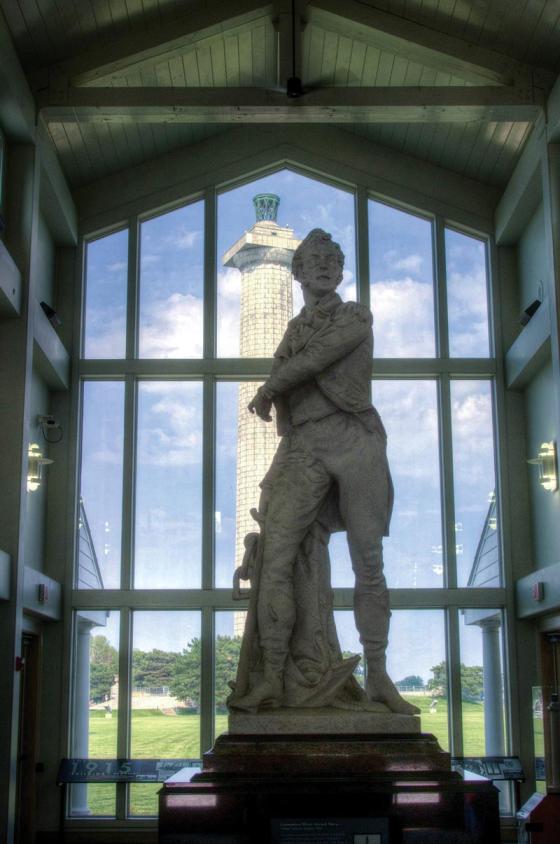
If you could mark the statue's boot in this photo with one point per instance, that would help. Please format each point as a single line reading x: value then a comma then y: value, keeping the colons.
x: 372, y: 614
x: 268, y: 691
x: 380, y: 687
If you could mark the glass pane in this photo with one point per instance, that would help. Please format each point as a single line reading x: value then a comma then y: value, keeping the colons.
x: 482, y: 687
x: 99, y: 525
x: 413, y: 551
x: 476, y: 516
x: 171, y: 284
x: 402, y: 283
x: 349, y: 640
x: 229, y: 630
x: 342, y: 575
x: 168, y: 528
x: 417, y: 664
x: 245, y: 447
x: 256, y: 297
x: 96, y: 705
x: 165, y: 698
x: 226, y: 482
x: 3, y: 151
x: 467, y: 298
x: 541, y: 698
x: 105, y: 296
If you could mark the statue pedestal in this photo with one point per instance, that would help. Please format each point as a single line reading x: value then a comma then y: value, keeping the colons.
x: 324, y: 721
x: 328, y: 789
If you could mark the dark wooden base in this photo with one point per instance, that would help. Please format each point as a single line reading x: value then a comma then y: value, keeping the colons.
x: 273, y: 789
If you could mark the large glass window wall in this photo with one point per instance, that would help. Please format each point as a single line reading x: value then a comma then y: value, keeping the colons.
x: 182, y: 311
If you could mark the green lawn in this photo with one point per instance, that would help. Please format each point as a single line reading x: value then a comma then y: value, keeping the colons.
x: 539, y: 747
x: 155, y: 735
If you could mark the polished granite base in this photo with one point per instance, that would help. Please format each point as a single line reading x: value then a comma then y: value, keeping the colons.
x: 329, y: 789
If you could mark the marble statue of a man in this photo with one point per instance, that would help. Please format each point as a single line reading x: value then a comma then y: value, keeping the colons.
x: 330, y: 473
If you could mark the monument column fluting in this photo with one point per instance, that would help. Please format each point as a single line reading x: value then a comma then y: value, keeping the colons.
x: 263, y: 255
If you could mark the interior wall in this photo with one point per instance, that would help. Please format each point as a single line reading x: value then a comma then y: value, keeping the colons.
x: 533, y: 260
x: 35, y: 518
x: 44, y: 290
x: 545, y: 506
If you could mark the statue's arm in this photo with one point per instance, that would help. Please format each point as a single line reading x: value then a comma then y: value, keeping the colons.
x: 331, y: 343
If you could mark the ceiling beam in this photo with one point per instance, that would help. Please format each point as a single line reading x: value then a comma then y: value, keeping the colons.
x: 523, y: 192
x: 289, y: 29
x: 419, y: 43
x: 139, y: 50
x: 258, y: 105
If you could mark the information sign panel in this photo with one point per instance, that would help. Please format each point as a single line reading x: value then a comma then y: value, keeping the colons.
x: 492, y: 767
x: 329, y: 831
x: 121, y: 770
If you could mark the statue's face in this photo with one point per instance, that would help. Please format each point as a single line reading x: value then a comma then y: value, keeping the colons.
x: 319, y: 271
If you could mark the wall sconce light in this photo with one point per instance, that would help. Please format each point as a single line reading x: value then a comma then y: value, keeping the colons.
x: 35, y: 464
x: 546, y: 461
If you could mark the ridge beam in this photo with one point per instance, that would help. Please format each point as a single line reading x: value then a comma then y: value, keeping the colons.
x: 258, y: 105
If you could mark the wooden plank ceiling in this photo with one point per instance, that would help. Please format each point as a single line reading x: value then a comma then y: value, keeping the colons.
x: 376, y: 45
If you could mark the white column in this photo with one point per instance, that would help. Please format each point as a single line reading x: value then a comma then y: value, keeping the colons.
x: 493, y: 693
x: 80, y: 739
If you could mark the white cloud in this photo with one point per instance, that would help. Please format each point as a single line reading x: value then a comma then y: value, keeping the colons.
x: 229, y: 302
x: 174, y: 329
x: 148, y: 260
x: 403, y: 314
x: 468, y: 314
x: 183, y: 238
x: 106, y: 456
x: 116, y: 267
x: 473, y: 451
x: 409, y: 413
x: 410, y: 264
x: 327, y: 216
x: 105, y: 336
x: 170, y: 426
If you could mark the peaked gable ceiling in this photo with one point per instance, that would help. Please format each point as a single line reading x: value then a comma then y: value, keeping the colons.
x: 456, y: 84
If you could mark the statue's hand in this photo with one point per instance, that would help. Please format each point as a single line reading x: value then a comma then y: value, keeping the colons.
x: 261, y: 405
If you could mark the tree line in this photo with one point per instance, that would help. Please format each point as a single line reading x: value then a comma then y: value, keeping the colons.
x: 180, y: 672
x: 472, y: 684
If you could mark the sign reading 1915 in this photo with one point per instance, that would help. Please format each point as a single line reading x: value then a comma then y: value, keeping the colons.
x: 121, y: 770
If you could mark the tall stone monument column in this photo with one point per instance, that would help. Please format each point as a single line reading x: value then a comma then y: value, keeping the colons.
x: 263, y: 255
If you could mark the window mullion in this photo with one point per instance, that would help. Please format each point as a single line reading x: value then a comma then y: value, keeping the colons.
x: 207, y: 680
x: 208, y: 476
x: 440, y: 275
x: 133, y: 285
x: 129, y: 465
x: 455, y: 713
x: 362, y: 247
x: 514, y: 739
x: 210, y: 275
x: 123, y: 726
x: 448, y: 497
x: 129, y: 482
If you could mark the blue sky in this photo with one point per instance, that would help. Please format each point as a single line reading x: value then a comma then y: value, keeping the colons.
x: 169, y: 445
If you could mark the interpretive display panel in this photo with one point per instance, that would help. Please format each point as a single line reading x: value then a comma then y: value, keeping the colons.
x: 329, y: 831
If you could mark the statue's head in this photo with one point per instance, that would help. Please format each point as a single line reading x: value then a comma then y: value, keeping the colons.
x: 318, y: 263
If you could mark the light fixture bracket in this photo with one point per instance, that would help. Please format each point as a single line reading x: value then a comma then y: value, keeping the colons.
x: 35, y: 462
x: 547, y: 462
